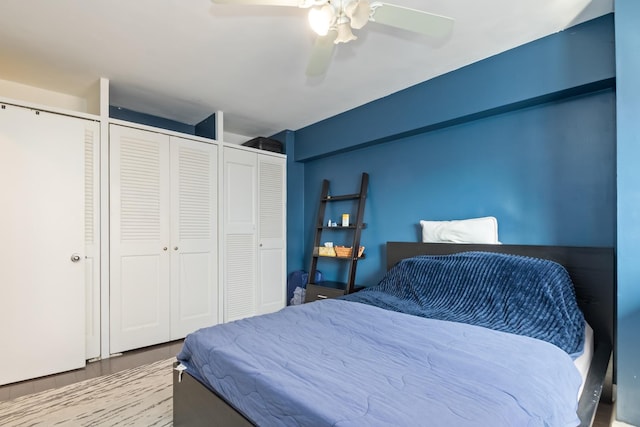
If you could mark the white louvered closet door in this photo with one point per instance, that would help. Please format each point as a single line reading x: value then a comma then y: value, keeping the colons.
x: 194, y: 240
x: 91, y: 239
x: 140, y: 238
x: 271, y: 234
x: 254, y: 206
x: 240, y: 228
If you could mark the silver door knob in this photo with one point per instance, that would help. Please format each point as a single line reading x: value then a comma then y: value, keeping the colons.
x: 175, y: 248
x: 164, y: 249
x: 75, y: 257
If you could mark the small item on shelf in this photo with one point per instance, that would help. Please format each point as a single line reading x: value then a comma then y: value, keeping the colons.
x: 329, y: 223
x: 343, y: 251
x: 345, y: 220
x: 326, y: 251
x: 263, y: 143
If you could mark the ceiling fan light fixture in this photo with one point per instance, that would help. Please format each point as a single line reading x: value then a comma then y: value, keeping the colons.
x: 358, y: 13
x: 344, y: 33
x: 334, y: 21
x: 321, y: 19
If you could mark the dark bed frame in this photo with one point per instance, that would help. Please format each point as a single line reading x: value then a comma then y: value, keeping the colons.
x: 592, y: 271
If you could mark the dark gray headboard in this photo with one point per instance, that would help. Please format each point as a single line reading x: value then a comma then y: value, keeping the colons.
x: 592, y: 270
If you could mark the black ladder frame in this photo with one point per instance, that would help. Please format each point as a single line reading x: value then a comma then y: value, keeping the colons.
x: 357, y: 228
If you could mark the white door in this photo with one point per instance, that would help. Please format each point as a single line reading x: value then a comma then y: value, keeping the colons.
x: 194, y: 238
x: 140, y: 238
x: 272, y: 256
x: 239, y: 226
x: 42, y: 308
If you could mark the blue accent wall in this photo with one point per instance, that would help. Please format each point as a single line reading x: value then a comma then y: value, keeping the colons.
x: 547, y: 173
x: 206, y: 128
x: 527, y: 136
x: 574, y: 61
x: 628, y: 145
x: 295, y: 211
x: 122, y: 113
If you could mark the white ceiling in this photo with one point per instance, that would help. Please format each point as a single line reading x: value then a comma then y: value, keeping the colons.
x: 185, y: 59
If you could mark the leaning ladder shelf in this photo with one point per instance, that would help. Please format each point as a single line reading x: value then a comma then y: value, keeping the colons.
x: 336, y: 288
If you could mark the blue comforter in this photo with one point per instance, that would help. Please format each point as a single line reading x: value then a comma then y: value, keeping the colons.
x: 516, y: 294
x: 340, y: 363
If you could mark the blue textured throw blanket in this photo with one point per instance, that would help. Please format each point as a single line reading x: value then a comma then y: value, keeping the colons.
x: 510, y: 293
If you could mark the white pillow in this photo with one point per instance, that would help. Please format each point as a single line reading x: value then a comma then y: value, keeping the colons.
x: 474, y: 230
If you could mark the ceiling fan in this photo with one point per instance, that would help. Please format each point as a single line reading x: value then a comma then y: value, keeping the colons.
x: 333, y: 20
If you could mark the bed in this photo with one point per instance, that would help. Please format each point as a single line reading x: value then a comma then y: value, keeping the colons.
x: 352, y: 361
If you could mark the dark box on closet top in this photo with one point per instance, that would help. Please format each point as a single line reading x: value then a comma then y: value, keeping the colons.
x: 265, y: 144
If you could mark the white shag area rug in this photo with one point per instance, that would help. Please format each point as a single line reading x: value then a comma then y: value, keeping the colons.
x: 139, y: 396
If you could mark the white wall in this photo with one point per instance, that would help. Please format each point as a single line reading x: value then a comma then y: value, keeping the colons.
x: 235, y: 138
x: 46, y: 97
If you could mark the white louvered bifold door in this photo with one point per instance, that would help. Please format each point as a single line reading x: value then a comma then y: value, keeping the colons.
x: 91, y: 237
x: 239, y: 228
x: 272, y: 255
x: 42, y: 302
x: 140, y: 238
x: 194, y: 243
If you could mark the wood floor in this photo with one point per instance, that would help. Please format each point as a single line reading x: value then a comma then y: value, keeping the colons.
x: 603, y: 415
x: 130, y: 359
x: 152, y: 354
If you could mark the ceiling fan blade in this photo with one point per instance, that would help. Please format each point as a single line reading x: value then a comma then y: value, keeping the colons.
x: 321, y: 54
x: 412, y: 20
x: 292, y: 3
